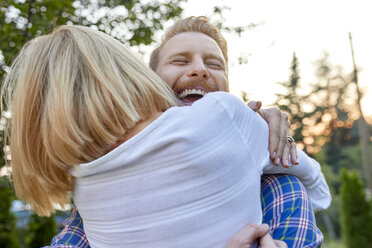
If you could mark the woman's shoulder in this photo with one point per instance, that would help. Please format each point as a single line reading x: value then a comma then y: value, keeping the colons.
x: 219, y: 99
x: 223, y: 101
x: 223, y: 97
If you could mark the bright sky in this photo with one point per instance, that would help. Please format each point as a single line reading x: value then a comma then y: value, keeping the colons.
x: 306, y: 27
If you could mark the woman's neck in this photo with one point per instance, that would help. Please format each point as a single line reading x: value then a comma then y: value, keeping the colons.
x: 135, y: 130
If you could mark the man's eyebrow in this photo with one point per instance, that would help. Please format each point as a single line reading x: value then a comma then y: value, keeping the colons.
x: 214, y: 56
x: 182, y: 54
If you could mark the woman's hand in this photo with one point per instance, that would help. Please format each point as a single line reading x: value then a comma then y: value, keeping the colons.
x: 280, y: 148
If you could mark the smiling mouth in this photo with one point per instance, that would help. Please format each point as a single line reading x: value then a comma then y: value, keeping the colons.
x: 188, y: 96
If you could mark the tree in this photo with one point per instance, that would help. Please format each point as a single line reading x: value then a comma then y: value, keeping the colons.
x: 336, y: 112
x: 323, y: 123
x: 328, y: 220
x: 8, y: 237
x: 356, y: 211
x: 41, y: 230
x: 332, y: 102
x: 292, y: 102
x: 131, y: 21
x: 364, y: 134
x: 323, y: 114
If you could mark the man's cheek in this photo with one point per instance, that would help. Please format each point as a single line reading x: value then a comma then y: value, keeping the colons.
x: 163, y: 75
x: 224, y: 85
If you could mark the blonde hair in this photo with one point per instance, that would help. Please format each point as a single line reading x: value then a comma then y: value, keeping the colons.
x: 199, y: 24
x: 72, y: 93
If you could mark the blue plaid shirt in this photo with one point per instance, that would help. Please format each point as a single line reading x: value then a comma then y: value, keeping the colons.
x: 285, y: 205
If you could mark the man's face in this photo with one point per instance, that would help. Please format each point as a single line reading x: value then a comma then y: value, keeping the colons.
x: 193, y: 65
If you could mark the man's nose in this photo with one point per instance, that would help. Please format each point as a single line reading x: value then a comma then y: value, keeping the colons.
x: 198, y: 70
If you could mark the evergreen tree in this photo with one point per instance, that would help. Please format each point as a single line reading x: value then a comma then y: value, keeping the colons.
x: 292, y: 102
x: 356, y: 212
x: 8, y: 237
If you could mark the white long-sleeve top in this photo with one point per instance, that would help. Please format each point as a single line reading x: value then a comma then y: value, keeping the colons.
x: 191, y: 178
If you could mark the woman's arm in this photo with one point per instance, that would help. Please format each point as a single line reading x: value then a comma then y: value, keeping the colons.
x: 254, y: 132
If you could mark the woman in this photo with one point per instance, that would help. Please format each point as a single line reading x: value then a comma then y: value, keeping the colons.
x: 85, y: 108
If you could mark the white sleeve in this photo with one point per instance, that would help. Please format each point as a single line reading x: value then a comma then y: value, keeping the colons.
x: 255, y: 132
x: 252, y: 129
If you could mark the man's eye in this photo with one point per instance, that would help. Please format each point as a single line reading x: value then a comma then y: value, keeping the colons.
x: 179, y: 61
x: 214, y: 65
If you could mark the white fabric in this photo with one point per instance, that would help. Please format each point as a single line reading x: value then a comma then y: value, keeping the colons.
x: 189, y: 179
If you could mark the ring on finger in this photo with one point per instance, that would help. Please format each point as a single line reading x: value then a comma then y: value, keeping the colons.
x: 290, y: 139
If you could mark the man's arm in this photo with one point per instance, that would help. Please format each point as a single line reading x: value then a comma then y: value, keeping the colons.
x: 73, y: 235
x: 287, y: 210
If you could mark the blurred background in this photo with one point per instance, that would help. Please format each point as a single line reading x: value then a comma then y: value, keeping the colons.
x: 311, y: 59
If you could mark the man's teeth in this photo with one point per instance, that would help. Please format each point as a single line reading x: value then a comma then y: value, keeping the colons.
x: 192, y: 92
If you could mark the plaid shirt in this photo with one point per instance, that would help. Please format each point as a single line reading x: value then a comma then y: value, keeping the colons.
x: 286, y: 209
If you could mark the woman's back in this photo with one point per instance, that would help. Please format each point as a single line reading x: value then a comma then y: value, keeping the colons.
x: 187, y: 180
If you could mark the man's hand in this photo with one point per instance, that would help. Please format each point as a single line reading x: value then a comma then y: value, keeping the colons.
x: 279, y: 147
x: 268, y: 242
x: 246, y: 238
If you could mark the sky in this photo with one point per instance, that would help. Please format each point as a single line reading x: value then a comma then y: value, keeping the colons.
x: 308, y: 28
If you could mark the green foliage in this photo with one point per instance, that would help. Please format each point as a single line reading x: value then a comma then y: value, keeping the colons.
x: 130, y: 21
x: 348, y: 156
x: 220, y: 22
x: 21, y: 22
x: 2, y: 156
x: 41, y: 230
x: 328, y: 220
x: 8, y: 236
x: 352, y: 158
x: 356, y: 212
x: 333, y: 243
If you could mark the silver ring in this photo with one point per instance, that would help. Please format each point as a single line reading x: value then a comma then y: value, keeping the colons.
x: 290, y: 139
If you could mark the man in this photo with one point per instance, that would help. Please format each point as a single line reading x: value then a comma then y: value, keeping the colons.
x: 192, y: 59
